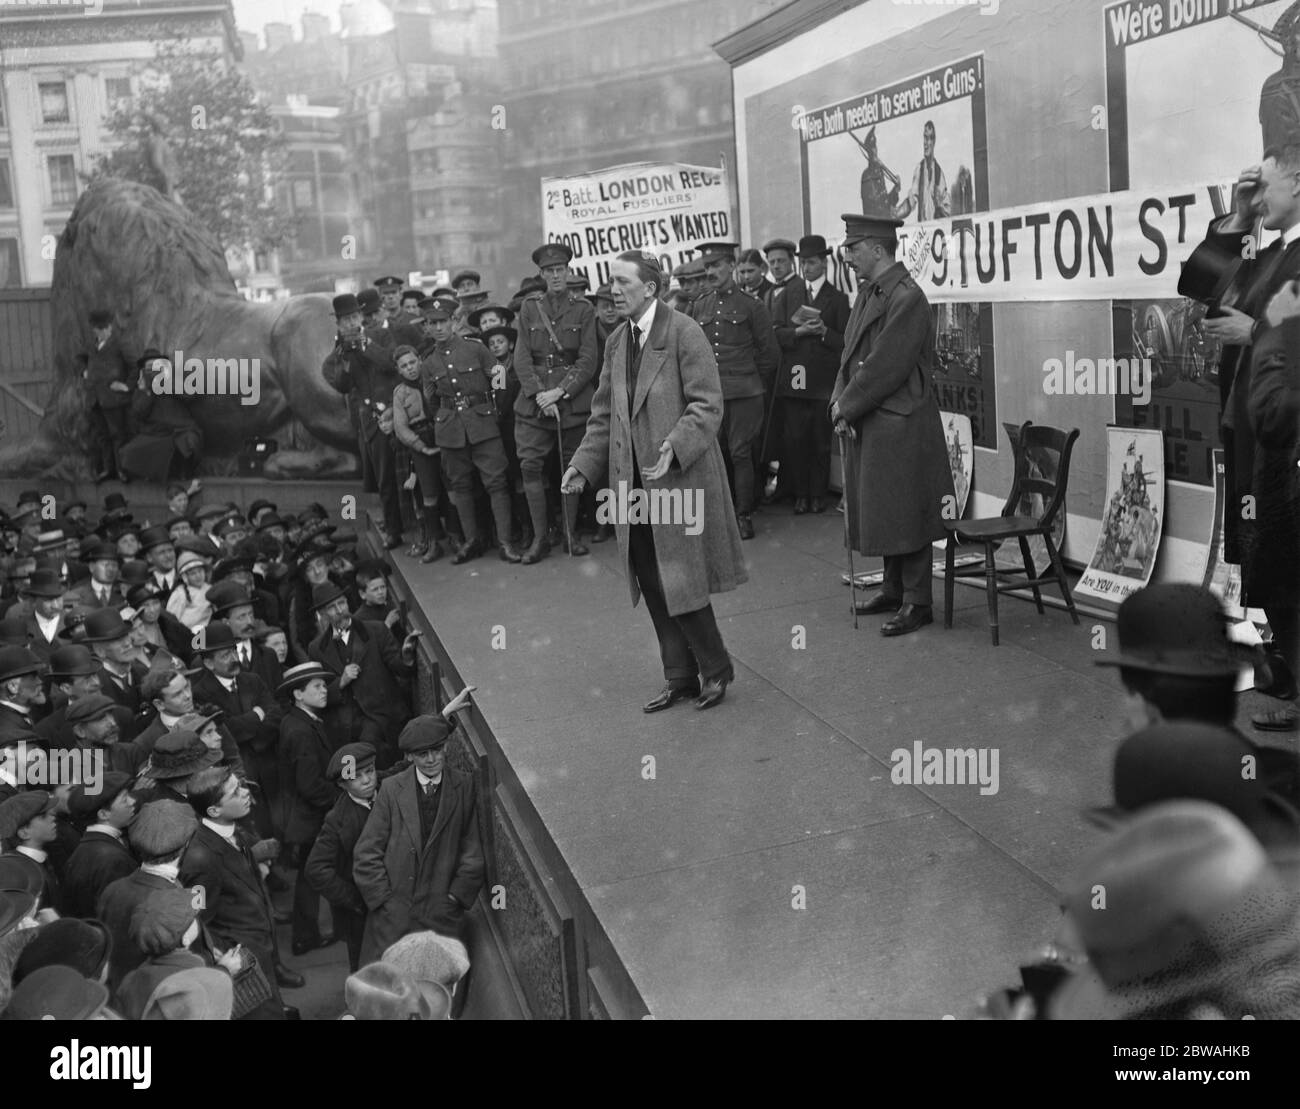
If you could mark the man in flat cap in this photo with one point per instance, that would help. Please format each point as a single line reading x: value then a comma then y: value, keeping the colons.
x: 810, y: 319
x: 363, y: 370
x: 102, y: 856
x: 555, y: 360
x: 780, y: 264
x: 329, y: 867
x: 94, y: 724
x: 108, y: 374
x: 418, y: 863
x: 883, y: 401
x: 393, y: 327
x: 27, y: 827
x: 740, y: 332
x: 456, y: 379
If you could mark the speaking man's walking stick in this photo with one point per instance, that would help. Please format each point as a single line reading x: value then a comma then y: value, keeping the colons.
x: 564, y: 504
x: 848, y: 538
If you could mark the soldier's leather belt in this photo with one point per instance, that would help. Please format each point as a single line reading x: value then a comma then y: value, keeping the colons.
x: 470, y: 400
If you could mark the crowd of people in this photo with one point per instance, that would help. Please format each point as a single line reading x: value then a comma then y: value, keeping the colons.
x: 199, y: 713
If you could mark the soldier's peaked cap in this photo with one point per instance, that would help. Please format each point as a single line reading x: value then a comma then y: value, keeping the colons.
x: 857, y: 227
x: 389, y: 282
x: 710, y: 252
x: 552, y: 254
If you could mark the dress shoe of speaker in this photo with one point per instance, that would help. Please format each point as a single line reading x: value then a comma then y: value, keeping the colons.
x: 471, y: 548
x: 1278, y: 681
x: 908, y: 619
x: 302, y: 948
x: 669, y: 696
x: 508, y: 553
x: 711, y: 692
x: 801, y: 506
x: 604, y: 533
x: 576, y: 548
x: 287, y: 979
x: 878, y: 603
x: 817, y: 505
x: 746, y: 525
x: 435, y: 551
x: 1279, y: 720
x: 538, y: 550
x: 392, y: 539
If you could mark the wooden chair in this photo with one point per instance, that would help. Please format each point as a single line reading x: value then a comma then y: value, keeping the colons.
x: 1035, y: 442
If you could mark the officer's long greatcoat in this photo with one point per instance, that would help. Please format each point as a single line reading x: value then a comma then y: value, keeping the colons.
x: 898, y: 466
x: 678, y: 398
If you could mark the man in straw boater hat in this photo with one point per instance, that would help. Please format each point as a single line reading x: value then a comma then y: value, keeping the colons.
x: 362, y: 370
x: 555, y: 360
x: 883, y: 406
x: 740, y: 332
x: 810, y: 319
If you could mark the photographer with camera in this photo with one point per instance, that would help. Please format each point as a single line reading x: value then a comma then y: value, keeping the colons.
x: 363, y: 371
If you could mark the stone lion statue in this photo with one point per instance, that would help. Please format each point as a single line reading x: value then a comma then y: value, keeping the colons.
x: 164, y: 277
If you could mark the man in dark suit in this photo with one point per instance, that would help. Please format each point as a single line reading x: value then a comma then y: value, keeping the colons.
x: 232, y: 603
x: 1267, y: 193
x: 108, y: 374
x: 252, y: 715
x: 220, y: 866
x: 654, y: 426
x: 780, y: 255
x: 102, y: 589
x: 329, y: 868
x: 21, y: 689
x: 366, y: 704
x: 94, y: 724
x: 46, y: 592
x: 306, y: 792
x: 109, y: 638
x: 811, y: 359
x: 419, y: 862
x: 883, y: 401
x: 73, y: 674
x: 101, y: 857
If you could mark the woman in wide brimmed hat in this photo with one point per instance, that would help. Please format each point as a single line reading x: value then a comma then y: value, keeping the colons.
x: 189, y: 600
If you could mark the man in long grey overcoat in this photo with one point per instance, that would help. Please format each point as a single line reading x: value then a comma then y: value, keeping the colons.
x: 898, y: 474
x: 653, y: 430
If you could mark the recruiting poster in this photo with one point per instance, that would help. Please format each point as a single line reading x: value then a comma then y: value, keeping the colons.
x: 1133, y: 519
x: 1222, y: 578
x: 916, y: 150
x: 961, y: 460
x: 1187, y: 84
x: 666, y: 208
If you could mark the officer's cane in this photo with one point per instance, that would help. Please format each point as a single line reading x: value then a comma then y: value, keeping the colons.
x: 564, y: 504
x: 848, y: 539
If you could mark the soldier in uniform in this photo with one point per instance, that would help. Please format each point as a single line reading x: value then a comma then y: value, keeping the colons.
x: 392, y: 327
x: 456, y: 377
x: 555, y: 360
x: 740, y: 331
x: 883, y: 400
x: 362, y: 370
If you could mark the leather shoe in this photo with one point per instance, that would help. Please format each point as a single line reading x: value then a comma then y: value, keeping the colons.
x: 300, y: 948
x: 507, y: 553
x: 287, y: 979
x: 711, y: 692
x: 435, y: 551
x: 471, y: 548
x: 604, y: 533
x: 878, y: 603
x: 908, y: 619
x: 746, y: 526
x: 537, y: 551
x: 669, y: 696
x: 1279, y: 720
x: 576, y: 548
x: 818, y: 505
x: 801, y: 506
x: 391, y: 540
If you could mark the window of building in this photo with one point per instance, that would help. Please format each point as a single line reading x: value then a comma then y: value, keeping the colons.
x: 117, y: 90
x: 63, y: 180
x: 6, y: 185
x: 54, y: 101
x: 10, y: 277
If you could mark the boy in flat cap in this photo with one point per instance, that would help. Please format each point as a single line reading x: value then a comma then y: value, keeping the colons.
x: 418, y: 863
x: 102, y: 856
x: 555, y: 360
x: 884, y: 402
x: 329, y: 867
x: 27, y: 828
x: 744, y: 346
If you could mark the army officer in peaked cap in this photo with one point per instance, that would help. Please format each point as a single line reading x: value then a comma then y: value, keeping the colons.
x: 555, y: 360
x: 897, y: 469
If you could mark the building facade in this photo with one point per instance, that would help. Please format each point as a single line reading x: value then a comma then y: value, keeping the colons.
x: 62, y: 69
